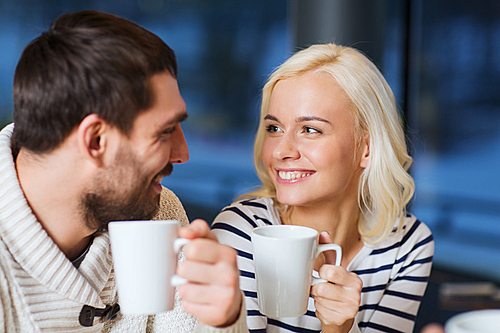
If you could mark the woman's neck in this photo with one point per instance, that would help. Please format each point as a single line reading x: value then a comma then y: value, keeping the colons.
x: 340, y: 221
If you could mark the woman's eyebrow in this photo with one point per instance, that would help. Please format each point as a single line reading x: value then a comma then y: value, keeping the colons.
x: 300, y: 119
x: 311, y: 118
x: 269, y: 117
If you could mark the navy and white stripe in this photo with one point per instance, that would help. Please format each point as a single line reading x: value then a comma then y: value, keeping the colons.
x: 394, y: 273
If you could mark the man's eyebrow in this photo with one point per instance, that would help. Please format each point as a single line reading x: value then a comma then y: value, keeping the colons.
x: 174, y: 121
x: 177, y: 119
x: 180, y: 118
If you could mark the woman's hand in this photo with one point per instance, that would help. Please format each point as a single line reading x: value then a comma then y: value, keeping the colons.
x: 336, y: 302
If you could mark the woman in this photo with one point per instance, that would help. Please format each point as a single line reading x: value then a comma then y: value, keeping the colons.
x: 331, y: 154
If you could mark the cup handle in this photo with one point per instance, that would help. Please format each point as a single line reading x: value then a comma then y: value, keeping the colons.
x: 176, y: 280
x: 179, y: 243
x: 323, y: 248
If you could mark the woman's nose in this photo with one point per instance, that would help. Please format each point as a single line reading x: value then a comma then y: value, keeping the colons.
x: 286, y: 148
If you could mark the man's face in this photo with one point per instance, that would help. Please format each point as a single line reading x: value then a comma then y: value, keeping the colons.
x: 129, y: 189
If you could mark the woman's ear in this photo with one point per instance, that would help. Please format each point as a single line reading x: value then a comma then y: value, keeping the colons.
x: 91, y: 137
x: 365, y: 148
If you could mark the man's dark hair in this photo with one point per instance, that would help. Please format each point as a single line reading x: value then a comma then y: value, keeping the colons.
x: 86, y: 62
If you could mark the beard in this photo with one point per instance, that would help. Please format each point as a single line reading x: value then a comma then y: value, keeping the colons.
x: 110, y: 201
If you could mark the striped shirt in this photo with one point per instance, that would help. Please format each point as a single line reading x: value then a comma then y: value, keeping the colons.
x: 394, y: 273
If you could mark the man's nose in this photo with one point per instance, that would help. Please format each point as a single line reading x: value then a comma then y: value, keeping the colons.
x: 179, y: 152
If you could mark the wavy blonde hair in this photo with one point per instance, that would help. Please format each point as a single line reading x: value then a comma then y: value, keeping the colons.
x: 385, y: 187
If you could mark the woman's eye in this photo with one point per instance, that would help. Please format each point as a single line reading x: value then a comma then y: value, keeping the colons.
x: 311, y: 130
x: 272, y: 128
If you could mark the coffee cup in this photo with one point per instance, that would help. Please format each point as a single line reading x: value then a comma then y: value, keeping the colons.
x: 478, y: 321
x: 283, y: 257
x: 145, y: 260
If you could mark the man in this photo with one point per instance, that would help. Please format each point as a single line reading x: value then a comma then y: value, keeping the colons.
x: 97, y: 126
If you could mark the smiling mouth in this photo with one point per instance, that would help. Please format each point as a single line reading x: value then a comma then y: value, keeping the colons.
x: 167, y: 170
x: 292, y: 175
x: 158, y: 179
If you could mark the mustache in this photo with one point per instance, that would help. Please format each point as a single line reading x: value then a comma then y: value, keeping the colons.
x: 167, y: 170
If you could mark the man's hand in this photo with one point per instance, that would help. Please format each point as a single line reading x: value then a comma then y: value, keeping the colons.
x: 212, y: 293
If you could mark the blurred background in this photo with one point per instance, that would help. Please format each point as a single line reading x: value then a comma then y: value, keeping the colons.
x: 441, y: 58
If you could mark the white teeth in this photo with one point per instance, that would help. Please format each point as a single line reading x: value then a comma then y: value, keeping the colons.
x: 292, y: 175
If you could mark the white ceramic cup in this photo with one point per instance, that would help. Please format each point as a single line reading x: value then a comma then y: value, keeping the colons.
x: 283, y: 257
x: 145, y: 260
x: 478, y: 321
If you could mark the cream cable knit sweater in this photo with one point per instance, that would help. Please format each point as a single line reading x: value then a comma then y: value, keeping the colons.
x: 41, y: 291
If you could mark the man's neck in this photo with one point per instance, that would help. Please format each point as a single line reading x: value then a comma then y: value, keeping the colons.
x: 51, y: 186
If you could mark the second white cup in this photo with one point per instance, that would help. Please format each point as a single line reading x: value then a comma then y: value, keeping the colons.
x: 145, y: 260
x: 478, y: 321
x: 283, y: 257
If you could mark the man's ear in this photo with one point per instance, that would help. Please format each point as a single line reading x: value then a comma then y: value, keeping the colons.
x: 365, y: 156
x: 92, y: 138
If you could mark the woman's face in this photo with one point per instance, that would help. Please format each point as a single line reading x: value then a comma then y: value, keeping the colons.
x: 310, y: 149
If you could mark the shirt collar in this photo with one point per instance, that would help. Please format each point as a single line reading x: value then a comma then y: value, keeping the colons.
x: 34, y: 250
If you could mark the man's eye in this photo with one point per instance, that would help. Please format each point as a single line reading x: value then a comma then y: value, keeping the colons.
x: 169, y: 131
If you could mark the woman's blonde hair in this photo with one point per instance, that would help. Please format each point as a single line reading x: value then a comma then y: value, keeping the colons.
x: 385, y: 187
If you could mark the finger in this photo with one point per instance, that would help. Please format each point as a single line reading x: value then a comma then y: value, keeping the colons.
x: 339, y: 275
x: 327, y: 291
x: 208, y: 293
x: 209, y: 251
x: 330, y: 293
x: 222, y: 273
x: 197, y: 229
x: 325, y: 238
x: 330, y: 256
x: 206, y: 313
x: 432, y: 328
x: 215, y: 314
x: 336, y: 298
x: 329, y: 316
x: 334, y: 313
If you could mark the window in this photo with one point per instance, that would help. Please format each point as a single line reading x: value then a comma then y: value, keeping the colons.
x: 227, y: 48
x: 225, y: 51
x: 454, y: 113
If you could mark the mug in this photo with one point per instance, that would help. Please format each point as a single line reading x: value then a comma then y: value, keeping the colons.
x: 478, y: 321
x: 284, y: 257
x: 145, y: 260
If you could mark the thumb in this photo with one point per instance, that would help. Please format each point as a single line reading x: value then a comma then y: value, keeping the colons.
x: 330, y: 256
x: 196, y: 229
